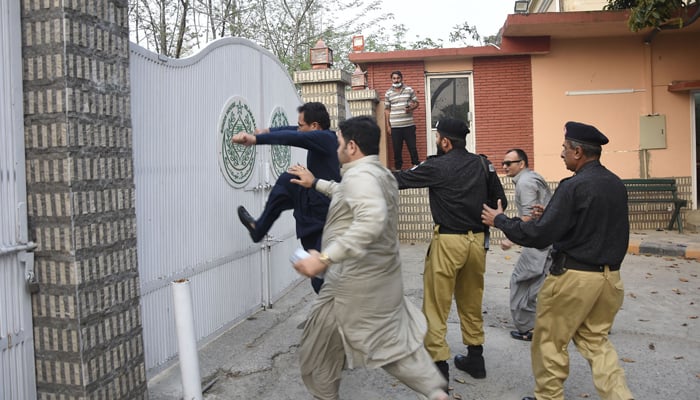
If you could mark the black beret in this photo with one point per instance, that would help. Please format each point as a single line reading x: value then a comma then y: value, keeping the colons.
x: 452, y: 127
x: 583, y: 133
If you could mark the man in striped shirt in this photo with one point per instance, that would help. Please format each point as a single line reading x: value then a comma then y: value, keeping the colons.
x: 399, y: 103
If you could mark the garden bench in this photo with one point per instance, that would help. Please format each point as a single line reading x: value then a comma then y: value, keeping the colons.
x: 657, y: 190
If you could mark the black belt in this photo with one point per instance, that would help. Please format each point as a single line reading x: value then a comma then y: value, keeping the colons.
x: 579, y: 266
x: 447, y: 231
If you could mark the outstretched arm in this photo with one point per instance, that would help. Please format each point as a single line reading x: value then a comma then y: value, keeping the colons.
x: 323, y: 141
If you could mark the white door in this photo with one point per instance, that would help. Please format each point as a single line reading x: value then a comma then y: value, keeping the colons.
x: 449, y: 95
x: 17, y: 380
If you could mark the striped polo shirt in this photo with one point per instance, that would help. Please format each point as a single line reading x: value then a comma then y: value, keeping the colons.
x: 396, y: 101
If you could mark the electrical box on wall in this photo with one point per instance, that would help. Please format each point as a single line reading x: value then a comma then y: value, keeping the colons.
x: 652, y: 132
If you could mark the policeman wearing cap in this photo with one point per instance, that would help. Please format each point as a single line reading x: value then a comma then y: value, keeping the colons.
x: 586, y: 221
x: 458, y: 183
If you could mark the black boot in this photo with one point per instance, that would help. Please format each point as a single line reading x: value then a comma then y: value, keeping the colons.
x: 473, y: 362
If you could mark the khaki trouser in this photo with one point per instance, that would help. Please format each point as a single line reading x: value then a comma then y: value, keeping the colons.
x: 578, y: 306
x: 455, y: 264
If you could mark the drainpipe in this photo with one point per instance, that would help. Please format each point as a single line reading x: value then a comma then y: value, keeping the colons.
x: 186, y: 341
x: 648, y: 104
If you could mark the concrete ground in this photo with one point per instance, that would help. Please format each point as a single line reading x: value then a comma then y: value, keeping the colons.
x: 655, y: 334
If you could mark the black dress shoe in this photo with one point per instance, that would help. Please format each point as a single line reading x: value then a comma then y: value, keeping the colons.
x: 472, y: 363
x: 526, y: 336
x: 529, y: 398
x: 248, y: 221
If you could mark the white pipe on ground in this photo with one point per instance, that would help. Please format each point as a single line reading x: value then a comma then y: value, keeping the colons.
x: 186, y: 340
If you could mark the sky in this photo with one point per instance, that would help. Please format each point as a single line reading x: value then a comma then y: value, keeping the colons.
x: 437, y: 21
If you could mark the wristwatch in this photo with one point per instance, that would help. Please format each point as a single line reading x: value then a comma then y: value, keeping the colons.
x: 325, y: 259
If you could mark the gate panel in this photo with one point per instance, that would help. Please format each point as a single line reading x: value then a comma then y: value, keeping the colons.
x: 281, y: 241
x: 17, y: 379
x: 185, y: 208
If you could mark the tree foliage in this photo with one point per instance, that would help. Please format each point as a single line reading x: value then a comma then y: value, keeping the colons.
x: 463, y: 33
x: 657, y: 14
x: 161, y: 24
x: 288, y: 28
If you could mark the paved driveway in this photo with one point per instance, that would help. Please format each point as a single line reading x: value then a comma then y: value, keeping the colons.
x: 656, y: 335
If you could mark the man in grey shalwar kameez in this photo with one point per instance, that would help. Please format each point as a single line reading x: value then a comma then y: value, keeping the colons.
x: 532, y: 266
x: 361, y: 317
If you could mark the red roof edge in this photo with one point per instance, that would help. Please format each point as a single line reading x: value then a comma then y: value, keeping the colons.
x: 683, y: 86
x: 509, y: 47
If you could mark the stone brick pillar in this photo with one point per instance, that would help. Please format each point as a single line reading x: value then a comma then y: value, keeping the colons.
x: 326, y: 86
x: 80, y: 197
x: 365, y: 102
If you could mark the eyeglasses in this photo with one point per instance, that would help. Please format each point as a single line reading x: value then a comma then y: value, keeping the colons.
x: 507, y: 163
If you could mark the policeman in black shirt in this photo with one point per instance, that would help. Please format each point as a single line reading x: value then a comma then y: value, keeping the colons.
x: 586, y: 221
x: 458, y: 183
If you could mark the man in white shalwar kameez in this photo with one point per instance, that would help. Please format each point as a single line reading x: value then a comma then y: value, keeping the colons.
x: 361, y: 317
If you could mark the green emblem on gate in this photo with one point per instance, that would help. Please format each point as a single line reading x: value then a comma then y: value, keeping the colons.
x: 236, y: 161
x: 281, y: 155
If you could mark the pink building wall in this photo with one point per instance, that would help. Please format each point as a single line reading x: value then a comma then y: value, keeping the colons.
x: 598, y: 64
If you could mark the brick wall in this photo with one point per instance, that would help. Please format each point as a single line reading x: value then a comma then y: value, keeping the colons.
x: 379, y: 79
x: 503, y: 100
x: 80, y: 199
x: 416, y: 222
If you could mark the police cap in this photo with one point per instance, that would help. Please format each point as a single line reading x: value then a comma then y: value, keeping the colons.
x: 584, y: 133
x: 451, y: 127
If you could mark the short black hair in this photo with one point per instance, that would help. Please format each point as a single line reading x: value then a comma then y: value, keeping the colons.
x: 315, y: 112
x: 364, y: 131
x: 457, y: 143
x: 396, y: 73
x: 521, y: 155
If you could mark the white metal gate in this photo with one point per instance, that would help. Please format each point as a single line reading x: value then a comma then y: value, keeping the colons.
x: 17, y: 379
x: 187, y: 226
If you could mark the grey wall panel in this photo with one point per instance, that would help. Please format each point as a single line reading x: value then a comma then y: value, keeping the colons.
x: 17, y: 379
x: 187, y: 224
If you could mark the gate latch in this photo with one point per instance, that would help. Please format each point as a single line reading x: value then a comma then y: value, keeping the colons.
x: 27, y: 258
x: 32, y: 282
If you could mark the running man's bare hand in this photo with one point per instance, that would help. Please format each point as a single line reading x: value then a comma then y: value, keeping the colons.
x: 306, y: 178
x: 310, y: 266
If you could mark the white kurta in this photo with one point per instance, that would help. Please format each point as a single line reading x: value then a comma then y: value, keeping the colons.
x: 361, y: 306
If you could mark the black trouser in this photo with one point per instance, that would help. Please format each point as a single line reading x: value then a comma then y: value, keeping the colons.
x: 313, y: 242
x: 286, y: 195
x: 398, y: 136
